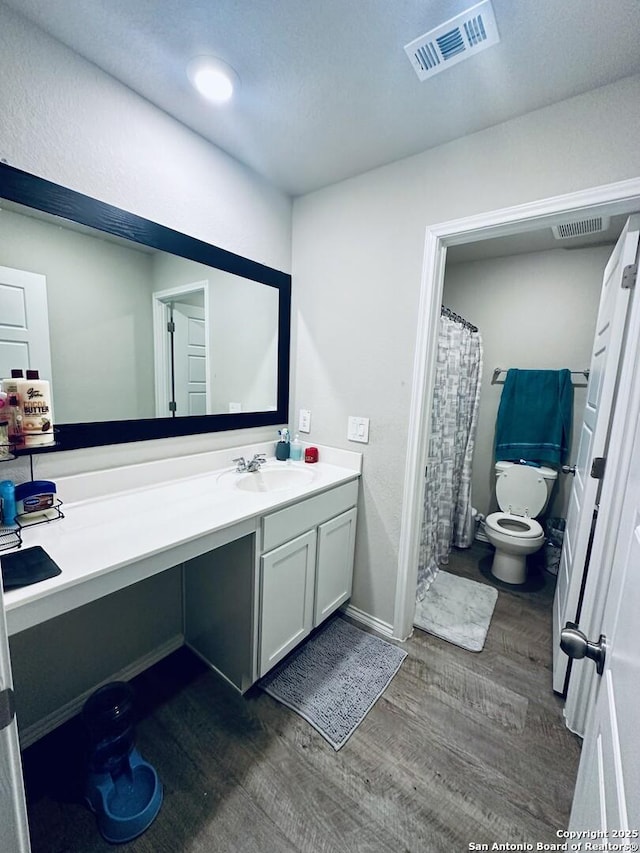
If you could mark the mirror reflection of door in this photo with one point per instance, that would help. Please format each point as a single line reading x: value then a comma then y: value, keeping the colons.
x: 182, y: 357
x: 24, y: 322
x: 189, y: 357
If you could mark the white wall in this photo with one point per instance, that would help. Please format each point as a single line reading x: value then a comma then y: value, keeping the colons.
x: 65, y: 120
x: 534, y: 311
x: 357, y: 264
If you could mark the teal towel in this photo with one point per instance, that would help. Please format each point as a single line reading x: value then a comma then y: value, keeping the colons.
x: 534, y: 416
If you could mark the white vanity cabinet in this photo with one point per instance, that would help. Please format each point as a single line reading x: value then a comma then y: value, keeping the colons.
x: 241, y: 577
x: 306, y: 569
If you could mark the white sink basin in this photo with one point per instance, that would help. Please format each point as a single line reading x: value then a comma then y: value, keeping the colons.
x: 272, y: 479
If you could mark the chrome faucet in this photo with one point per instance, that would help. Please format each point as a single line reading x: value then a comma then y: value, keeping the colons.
x: 258, y: 460
x: 241, y: 464
x: 253, y: 465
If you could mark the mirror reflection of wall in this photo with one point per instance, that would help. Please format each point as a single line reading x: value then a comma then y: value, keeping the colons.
x: 100, y: 316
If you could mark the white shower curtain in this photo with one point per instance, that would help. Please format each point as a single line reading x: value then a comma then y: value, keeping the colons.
x: 447, y: 500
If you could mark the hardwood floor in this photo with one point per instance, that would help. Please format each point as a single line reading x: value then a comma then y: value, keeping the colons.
x: 462, y: 747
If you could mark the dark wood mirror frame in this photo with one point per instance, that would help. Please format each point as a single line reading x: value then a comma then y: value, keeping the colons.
x: 40, y: 194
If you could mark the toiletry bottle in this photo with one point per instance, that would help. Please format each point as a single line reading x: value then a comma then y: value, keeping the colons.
x: 296, y: 449
x: 14, y: 416
x: 5, y: 446
x: 35, y: 402
x: 283, y: 447
x: 8, y: 503
x: 10, y: 386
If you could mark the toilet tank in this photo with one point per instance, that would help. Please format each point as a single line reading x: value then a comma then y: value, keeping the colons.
x: 549, y: 475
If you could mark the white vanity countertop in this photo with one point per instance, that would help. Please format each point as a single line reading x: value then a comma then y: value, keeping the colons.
x: 109, y: 541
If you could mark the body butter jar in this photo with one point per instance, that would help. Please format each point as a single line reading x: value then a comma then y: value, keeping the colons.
x: 35, y: 497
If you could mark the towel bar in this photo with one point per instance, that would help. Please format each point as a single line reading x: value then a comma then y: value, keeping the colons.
x: 498, y: 370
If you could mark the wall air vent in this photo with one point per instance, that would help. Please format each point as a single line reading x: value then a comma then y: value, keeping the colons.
x: 580, y: 228
x: 457, y: 39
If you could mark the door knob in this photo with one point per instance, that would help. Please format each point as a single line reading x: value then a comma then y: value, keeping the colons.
x: 574, y: 644
x: 569, y: 469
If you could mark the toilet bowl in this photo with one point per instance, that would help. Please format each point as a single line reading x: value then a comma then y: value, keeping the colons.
x: 522, y: 492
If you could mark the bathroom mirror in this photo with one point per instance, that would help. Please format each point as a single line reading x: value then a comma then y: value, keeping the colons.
x: 152, y: 333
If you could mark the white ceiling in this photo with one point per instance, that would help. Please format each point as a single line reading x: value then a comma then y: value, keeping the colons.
x: 327, y: 89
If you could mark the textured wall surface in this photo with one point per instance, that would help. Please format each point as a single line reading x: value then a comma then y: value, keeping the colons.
x: 357, y: 265
x: 65, y: 120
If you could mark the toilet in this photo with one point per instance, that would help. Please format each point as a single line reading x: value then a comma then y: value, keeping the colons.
x: 523, y: 493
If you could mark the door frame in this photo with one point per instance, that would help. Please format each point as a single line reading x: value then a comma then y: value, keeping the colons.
x: 607, y: 200
x: 161, y: 354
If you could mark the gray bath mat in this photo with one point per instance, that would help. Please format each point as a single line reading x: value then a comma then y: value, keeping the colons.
x: 335, y: 678
x: 458, y: 610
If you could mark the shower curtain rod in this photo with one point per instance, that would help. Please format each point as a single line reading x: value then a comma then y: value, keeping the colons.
x: 447, y: 312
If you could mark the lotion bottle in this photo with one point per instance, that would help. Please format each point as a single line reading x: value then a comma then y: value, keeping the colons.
x: 34, y: 395
x: 10, y: 386
x: 14, y: 416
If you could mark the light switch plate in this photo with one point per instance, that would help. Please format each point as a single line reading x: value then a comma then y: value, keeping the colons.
x: 358, y: 429
x: 304, y: 421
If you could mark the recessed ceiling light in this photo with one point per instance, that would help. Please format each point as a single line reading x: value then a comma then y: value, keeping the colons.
x: 213, y: 78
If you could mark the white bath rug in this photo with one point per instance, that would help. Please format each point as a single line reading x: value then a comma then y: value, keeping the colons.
x: 458, y: 610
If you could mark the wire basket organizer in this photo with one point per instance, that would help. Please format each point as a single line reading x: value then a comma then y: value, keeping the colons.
x: 11, y: 537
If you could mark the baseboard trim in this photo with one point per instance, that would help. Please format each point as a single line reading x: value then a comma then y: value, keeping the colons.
x: 366, y: 619
x: 47, y: 724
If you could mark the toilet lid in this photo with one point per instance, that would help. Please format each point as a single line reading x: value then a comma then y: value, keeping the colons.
x: 521, y: 490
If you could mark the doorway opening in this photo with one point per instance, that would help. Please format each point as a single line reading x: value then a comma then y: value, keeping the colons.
x: 181, y: 351
x: 605, y: 201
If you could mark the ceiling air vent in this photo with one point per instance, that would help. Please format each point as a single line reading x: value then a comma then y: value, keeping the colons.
x: 451, y: 42
x: 580, y: 228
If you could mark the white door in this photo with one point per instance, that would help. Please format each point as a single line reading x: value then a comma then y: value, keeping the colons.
x: 189, y: 359
x: 593, y: 442
x: 13, y: 808
x: 607, y: 793
x: 192, y: 359
x: 24, y: 322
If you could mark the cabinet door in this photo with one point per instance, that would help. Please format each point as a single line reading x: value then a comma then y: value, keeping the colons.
x: 286, y: 598
x: 334, y: 569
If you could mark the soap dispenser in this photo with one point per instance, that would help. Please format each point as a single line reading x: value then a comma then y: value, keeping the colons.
x: 283, y: 447
x: 296, y: 449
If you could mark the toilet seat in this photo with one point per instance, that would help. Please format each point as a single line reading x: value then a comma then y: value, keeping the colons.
x: 518, y: 526
x: 521, y: 491
x: 515, y: 534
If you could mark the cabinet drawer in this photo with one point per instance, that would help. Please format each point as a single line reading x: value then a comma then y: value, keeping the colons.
x: 290, y: 522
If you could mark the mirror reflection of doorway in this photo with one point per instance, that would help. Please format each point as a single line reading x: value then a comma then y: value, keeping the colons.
x: 181, y: 352
x: 188, y: 357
